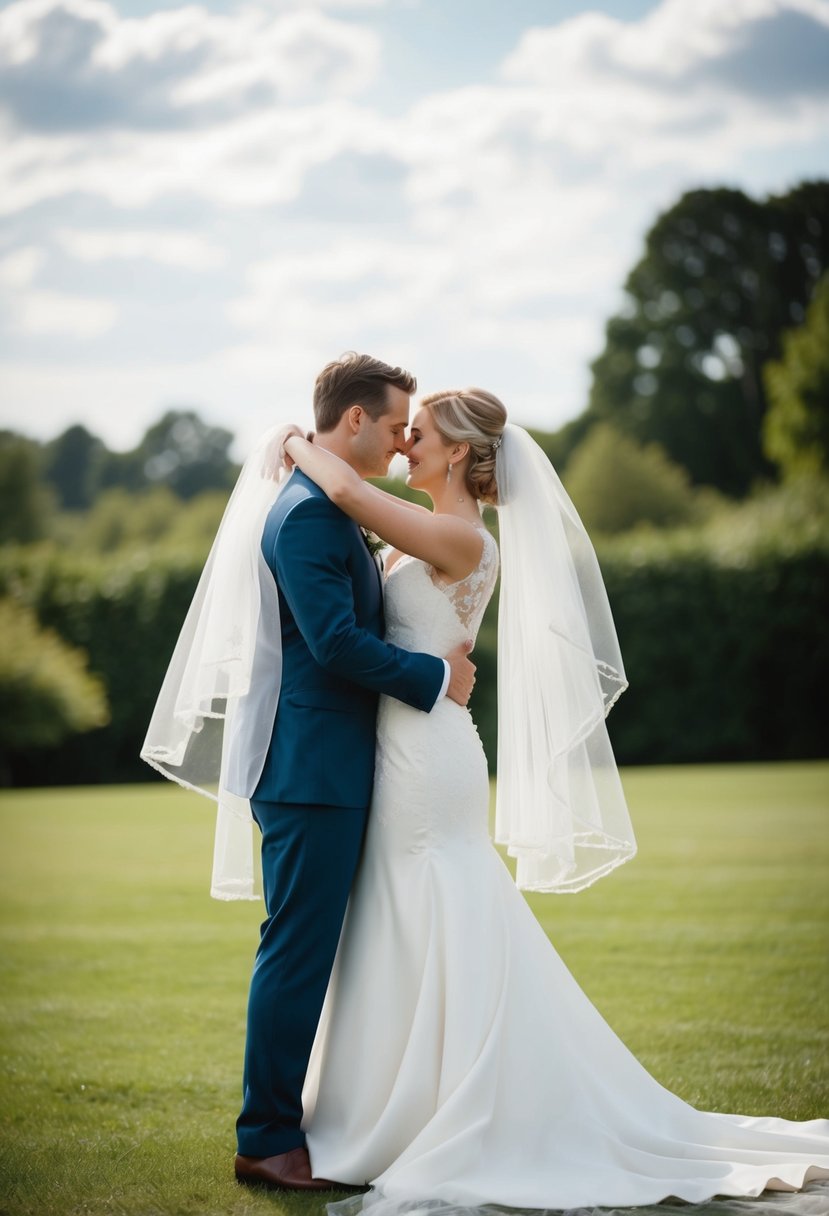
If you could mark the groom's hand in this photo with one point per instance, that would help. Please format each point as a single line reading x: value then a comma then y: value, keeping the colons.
x: 462, y: 677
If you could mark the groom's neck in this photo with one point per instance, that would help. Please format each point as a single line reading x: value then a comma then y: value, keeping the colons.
x: 337, y: 443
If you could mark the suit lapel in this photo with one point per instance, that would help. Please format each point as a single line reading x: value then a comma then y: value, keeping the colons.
x: 378, y: 572
x: 374, y: 558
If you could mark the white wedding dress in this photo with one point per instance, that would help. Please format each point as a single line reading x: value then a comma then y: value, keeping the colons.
x: 457, y: 1060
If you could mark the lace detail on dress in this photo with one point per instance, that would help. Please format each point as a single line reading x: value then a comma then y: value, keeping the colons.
x: 470, y: 596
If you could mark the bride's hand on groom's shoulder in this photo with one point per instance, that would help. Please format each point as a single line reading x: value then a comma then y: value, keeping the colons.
x: 287, y: 459
x: 277, y: 458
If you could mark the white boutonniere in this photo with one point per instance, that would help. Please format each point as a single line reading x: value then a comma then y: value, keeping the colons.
x: 373, y: 541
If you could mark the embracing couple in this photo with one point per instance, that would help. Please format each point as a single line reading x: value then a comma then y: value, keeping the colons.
x: 409, y: 1024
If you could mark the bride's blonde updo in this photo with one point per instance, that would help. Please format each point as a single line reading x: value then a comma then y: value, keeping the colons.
x: 476, y: 417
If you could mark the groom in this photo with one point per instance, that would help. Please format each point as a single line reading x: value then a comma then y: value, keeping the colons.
x: 312, y: 798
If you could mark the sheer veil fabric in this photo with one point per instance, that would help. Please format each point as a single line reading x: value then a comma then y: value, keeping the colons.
x: 212, y: 722
x: 560, y: 809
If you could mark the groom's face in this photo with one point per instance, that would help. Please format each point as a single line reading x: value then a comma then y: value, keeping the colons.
x: 377, y: 442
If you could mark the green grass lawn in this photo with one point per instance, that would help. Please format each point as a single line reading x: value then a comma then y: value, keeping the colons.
x: 124, y: 986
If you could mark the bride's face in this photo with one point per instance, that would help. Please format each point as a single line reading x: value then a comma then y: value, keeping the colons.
x: 426, y: 452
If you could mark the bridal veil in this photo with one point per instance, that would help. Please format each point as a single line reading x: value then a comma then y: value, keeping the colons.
x: 213, y: 720
x: 560, y: 809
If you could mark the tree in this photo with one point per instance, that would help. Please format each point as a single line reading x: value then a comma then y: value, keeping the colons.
x: 721, y: 278
x: 46, y: 691
x: 183, y: 452
x: 558, y: 446
x: 119, y: 520
x: 25, y: 504
x: 796, y: 427
x: 616, y: 484
x: 73, y: 464
x: 179, y: 452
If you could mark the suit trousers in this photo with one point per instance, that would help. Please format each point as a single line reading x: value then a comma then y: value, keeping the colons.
x: 309, y: 856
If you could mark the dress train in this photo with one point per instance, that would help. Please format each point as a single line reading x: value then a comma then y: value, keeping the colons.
x: 458, y: 1064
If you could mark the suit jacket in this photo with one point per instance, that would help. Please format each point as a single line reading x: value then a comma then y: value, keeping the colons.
x: 334, y: 661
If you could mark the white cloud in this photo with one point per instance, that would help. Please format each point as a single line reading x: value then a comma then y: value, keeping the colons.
x: 543, y: 186
x: 341, y: 5
x: 55, y: 313
x: 514, y: 211
x: 187, y: 250
x: 249, y: 162
x: 363, y: 8
x: 383, y: 283
x: 52, y: 393
x: 295, y: 56
x: 19, y: 269
x: 671, y: 40
x: 588, y: 99
x: 76, y: 65
x: 41, y: 312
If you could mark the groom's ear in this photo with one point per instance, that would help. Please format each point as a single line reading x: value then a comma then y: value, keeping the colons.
x: 354, y: 415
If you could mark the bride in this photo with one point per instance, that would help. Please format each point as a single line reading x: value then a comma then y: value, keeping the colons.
x: 457, y: 1060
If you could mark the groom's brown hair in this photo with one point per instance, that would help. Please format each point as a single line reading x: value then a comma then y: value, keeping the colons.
x: 356, y: 380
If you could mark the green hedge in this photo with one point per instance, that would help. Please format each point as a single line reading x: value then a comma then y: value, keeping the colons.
x: 126, y: 614
x: 726, y: 660
x: 727, y: 657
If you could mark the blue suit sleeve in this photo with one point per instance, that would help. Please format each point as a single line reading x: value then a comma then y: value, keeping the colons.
x: 309, y: 561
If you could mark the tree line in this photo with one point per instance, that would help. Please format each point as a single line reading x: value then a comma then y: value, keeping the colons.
x: 180, y: 453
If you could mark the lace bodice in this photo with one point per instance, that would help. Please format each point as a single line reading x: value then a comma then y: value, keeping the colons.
x: 425, y: 613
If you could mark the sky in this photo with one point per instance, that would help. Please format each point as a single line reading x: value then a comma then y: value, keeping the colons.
x: 203, y: 203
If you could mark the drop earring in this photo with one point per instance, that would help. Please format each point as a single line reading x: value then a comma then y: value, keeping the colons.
x: 449, y: 479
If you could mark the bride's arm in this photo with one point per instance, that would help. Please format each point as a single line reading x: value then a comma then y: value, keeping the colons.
x: 451, y: 545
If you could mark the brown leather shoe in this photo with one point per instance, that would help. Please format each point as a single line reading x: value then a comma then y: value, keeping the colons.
x: 287, y: 1172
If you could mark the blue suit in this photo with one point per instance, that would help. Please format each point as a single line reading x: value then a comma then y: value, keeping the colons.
x: 315, y: 787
